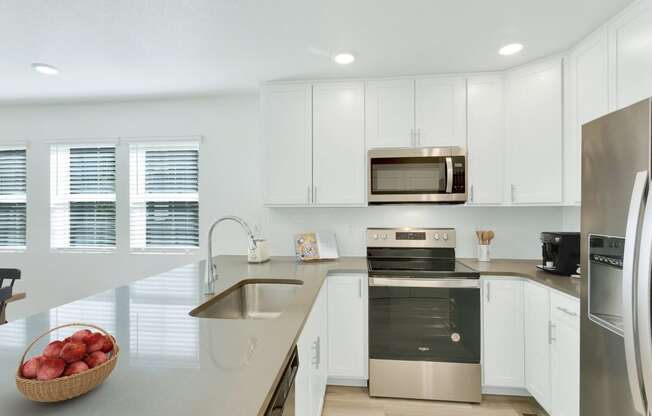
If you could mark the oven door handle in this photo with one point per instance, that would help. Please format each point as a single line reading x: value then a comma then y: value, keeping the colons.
x: 436, y: 283
x: 449, y: 175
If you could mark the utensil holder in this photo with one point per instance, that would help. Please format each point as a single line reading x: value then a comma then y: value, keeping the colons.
x: 484, y: 252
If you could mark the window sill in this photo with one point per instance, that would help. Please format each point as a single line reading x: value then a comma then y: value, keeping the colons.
x: 82, y: 250
x: 173, y: 251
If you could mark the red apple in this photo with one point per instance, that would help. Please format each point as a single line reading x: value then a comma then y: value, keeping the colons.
x: 30, y: 367
x: 94, y: 342
x: 53, y: 349
x: 67, y: 340
x: 74, y: 351
x: 50, y: 368
x: 96, y: 358
x: 75, y: 368
x: 108, y: 345
x: 80, y: 335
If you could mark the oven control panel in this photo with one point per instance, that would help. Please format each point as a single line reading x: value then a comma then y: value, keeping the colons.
x: 411, y: 237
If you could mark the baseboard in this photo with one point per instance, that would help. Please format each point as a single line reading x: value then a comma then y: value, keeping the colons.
x: 343, y: 381
x: 505, y: 391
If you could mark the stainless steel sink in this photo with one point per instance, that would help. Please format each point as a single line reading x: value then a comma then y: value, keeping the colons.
x: 250, y: 299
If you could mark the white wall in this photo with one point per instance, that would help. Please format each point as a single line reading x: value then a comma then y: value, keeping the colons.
x: 230, y: 183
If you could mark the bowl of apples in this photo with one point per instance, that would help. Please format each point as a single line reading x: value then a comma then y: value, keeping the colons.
x: 67, y: 368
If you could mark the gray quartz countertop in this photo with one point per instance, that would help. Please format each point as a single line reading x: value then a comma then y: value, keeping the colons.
x: 171, y: 363
x: 526, y: 269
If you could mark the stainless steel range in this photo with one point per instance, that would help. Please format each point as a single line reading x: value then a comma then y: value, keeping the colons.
x: 424, y: 317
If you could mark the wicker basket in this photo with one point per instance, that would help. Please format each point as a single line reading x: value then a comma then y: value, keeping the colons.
x: 65, y: 388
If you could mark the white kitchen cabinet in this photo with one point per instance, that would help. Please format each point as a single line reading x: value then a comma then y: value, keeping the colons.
x: 534, y: 133
x: 310, y: 382
x: 486, y: 139
x: 347, y: 328
x: 565, y: 355
x: 390, y: 113
x: 630, y: 37
x: 440, y: 111
x: 339, y: 154
x: 537, y: 342
x: 502, y: 317
x: 287, y: 140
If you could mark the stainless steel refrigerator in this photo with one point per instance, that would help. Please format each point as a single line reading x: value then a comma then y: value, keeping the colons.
x: 616, y: 245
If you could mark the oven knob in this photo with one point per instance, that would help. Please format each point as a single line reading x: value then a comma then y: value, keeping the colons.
x: 445, y: 236
x: 384, y: 236
x: 436, y: 236
x: 375, y: 237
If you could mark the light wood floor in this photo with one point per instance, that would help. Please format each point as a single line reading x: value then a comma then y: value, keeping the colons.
x: 355, y: 401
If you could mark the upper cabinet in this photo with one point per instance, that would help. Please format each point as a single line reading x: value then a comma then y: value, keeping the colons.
x: 440, y: 111
x: 314, y: 144
x: 390, y: 113
x: 486, y: 137
x: 534, y: 133
x: 287, y: 140
x: 425, y: 112
x: 630, y: 36
x: 339, y: 155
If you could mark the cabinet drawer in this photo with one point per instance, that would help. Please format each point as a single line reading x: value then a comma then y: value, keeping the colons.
x: 565, y: 309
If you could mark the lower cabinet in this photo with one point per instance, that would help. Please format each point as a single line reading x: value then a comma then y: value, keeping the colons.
x: 502, y: 318
x: 537, y: 342
x: 347, y: 329
x: 564, y: 356
x: 310, y: 383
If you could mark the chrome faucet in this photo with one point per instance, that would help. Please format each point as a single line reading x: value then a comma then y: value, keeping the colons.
x: 211, y: 267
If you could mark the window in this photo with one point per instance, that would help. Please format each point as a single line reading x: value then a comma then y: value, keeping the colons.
x: 82, y: 186
x: 164, y: 194
x: 13, y: 198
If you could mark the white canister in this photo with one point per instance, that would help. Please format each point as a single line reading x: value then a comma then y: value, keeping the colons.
x: 484, y: 253
x: 260, y: 254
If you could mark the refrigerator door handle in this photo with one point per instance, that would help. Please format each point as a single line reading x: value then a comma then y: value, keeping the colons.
x: 644, y: 285
x: 634, y: 375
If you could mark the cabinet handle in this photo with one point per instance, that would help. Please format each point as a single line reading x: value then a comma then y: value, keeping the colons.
x: 309, y: 195
x: 551, y: 338
x: 566, y: 311
x: 471, y: 194
x: 512, y: 192
x: 413, y: 140
x: 419, y: 136
x: 314, y: 194
x: 316, y: 360
x: 488, y: 291
x: 360, y: 288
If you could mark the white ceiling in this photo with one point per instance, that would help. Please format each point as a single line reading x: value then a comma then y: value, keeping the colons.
x: 144, y: 48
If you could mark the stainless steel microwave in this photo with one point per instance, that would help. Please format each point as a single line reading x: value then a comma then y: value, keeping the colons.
x: 423, y: 175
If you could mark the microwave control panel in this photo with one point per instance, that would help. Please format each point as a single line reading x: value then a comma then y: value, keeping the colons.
x: 459, y: 176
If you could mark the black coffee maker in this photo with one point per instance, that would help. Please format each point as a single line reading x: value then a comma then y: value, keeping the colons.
x: 561, y: 252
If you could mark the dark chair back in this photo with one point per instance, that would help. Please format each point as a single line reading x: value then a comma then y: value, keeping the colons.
x: 6, y: 289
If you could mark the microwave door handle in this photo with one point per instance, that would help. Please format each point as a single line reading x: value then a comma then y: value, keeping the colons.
x: 449, y: 175
x: 629, y: 290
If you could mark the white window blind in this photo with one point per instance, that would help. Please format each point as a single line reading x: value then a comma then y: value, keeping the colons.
x: 164, y: 195
x: 82, y: 186
x: 13, y: 198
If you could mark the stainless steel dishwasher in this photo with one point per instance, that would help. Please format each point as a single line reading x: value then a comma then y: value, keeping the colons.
x: 282, y: 403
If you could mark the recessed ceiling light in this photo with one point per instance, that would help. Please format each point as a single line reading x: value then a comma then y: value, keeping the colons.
x: 344, y: 58
x: 45, y: 69
x: 510, y: 49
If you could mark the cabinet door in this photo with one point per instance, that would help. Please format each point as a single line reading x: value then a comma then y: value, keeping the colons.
x: 287, y: 137
x: 339, y: 156
x: 534, y: 133
x: 537, y: 343
x: 631, y: 61
x: 303, y: 384
x: 502, y: 362
x: 565, y: 356
x: 390, y: 113
x: 441, y: 112
x: 320, y: 373
x: 347, y: 326
x: 486, y: 129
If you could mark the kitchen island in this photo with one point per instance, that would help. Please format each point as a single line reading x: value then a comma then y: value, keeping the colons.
x: 171, y: 363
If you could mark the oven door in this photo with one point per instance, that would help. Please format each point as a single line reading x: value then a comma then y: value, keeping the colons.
x: 420, y: 175
x: 424, y: 319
